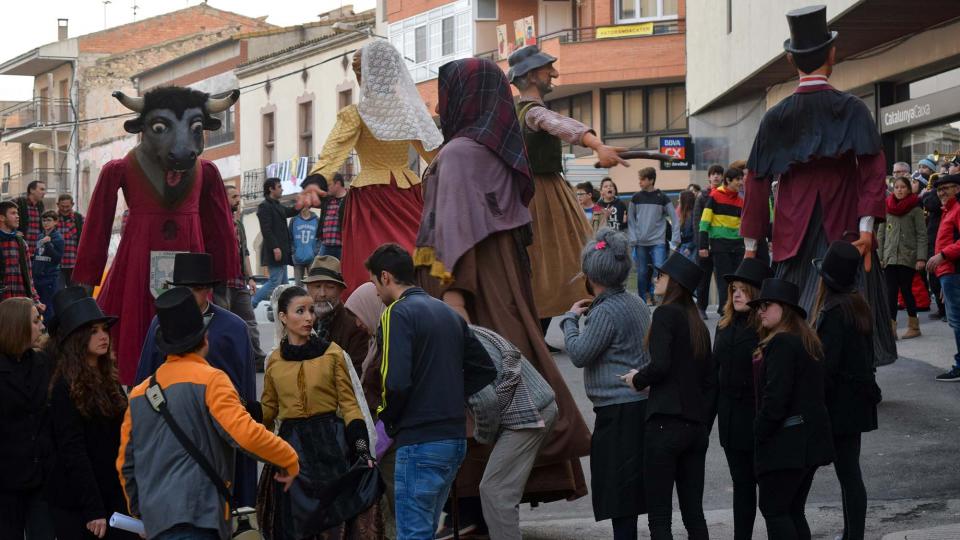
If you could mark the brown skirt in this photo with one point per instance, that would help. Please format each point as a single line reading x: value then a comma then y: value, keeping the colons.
x: 560, y: 230
x: 496, y: 285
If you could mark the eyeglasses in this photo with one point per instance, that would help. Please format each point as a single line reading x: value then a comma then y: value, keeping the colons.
x: 581, y: 193
x: 946, y: 188
x: 762, y: 306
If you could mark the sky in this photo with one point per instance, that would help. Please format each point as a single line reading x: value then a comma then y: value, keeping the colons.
x: 30, y: 24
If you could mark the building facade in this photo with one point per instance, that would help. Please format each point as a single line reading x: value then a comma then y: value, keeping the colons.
x: 292, y: 87
x: 72, y: 126
x: 904, y: 64
x: 621, y: 62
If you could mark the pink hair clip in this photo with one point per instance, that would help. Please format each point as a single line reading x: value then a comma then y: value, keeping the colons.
x: 601, y: 245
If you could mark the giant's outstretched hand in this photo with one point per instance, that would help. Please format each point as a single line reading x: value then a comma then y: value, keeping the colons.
x: 865, y: 246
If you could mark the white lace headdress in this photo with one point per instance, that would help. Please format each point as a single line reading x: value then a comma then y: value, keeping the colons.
x: 389, y: 104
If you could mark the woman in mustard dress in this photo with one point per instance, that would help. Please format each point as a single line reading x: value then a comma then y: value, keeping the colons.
x: 384, y: 203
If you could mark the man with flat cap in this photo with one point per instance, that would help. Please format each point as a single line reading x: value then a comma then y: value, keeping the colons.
x: 179, y: 491
x: 560, y: 229
x: 335, y: 323
x: 230, y: 351
x: 823, y: 146
x: 945, y: 263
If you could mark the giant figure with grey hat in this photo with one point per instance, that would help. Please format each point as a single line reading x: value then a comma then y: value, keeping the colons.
x: 177, y: 203
x: 560, y: 229
x: 824, y: 148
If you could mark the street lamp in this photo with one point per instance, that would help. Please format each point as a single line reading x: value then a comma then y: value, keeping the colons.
x: 36, y: 148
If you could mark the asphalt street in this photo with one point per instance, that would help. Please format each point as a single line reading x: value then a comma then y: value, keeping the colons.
x: 910, y: 464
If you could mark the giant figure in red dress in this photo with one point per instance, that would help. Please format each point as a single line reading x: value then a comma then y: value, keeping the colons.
x: 177, y: 202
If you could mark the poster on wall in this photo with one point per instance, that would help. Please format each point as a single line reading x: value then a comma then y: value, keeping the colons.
x: 519, y: 31
x: 529, y: 31
x: 680, y: 149
x: 503, y: 46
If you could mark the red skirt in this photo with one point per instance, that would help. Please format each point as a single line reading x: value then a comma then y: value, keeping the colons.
x: 376, y: 215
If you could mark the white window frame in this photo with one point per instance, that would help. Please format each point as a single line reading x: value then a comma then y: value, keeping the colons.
x: 402, y: 36
x: 659, y: 17
x: 496, y: 11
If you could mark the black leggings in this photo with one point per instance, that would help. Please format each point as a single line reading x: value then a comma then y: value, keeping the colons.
x: 783, y: 495
x: 703, y: 288
x: 852, y: 490
x: 744, y: 492
x: 675, y: 452
x: 900, y: 279
x: 625, y: 528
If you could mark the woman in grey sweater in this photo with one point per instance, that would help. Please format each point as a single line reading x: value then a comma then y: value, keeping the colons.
x: 610, y: 344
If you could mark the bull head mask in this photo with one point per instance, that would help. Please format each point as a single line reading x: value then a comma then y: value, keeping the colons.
x: 171, y: 121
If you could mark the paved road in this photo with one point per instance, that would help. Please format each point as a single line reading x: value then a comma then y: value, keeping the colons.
x: 910, y: 464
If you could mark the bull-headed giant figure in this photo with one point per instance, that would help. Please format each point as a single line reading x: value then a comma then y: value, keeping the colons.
x: 177, y: 203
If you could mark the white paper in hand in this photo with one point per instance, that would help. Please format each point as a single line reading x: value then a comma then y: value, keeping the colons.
x: 127, y: 523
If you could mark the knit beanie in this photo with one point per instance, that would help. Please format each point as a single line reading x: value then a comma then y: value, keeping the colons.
x: 605, y: 259
x: 929, y: 161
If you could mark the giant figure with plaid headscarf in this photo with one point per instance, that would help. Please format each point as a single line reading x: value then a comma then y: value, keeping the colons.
x: 472, y: 253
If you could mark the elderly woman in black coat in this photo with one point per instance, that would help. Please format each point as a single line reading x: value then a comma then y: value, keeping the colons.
x: 792, y: 429
x: 735, y: 342
x: 25, y: 445
x: 842, y: 319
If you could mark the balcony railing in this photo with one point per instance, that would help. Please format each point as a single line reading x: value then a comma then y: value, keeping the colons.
x: 57, y: 180
x: 590, y: 33
x: 37, y: 112
x: 251, y: 187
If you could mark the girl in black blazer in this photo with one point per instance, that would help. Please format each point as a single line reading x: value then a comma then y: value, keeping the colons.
x: 87, y: 406
x: 680, y: 409
x: 735, y: 341
x: 845, y: 326
x: 792, y: 429
x: 25, y: 453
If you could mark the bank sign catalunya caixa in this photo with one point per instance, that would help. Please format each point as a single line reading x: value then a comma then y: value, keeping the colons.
x: 920, y: 110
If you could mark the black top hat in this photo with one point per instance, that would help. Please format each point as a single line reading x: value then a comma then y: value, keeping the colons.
x: 752, y: 271
x: 782, y: 292
x: 839, y: 266
x: 80, y: 313
x: 63, y: 298
x: 947, y: 179
x: 193, y: 270
x: 682, y: 270
x: 182, y: 326
x: 527, y: 59
x: 808, y: 30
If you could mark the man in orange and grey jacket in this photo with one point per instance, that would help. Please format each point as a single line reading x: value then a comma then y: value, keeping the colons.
x: 163, y: 483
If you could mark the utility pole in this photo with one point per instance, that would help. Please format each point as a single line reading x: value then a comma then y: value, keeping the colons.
x: 105, y: 3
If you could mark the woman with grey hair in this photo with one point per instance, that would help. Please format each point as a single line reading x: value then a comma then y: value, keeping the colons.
x: 610, y: 344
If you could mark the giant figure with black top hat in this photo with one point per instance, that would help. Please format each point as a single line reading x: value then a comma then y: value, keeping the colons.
x: 824, y: 148
x: 560, y: 229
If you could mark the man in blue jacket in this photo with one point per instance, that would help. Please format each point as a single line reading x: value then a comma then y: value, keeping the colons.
x: 431, y: 362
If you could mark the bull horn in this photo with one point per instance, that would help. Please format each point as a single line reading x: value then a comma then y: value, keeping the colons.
x: 135, y: 104
x: 223, y: 102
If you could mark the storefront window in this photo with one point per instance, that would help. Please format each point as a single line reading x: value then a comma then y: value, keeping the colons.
x: 916, y: 144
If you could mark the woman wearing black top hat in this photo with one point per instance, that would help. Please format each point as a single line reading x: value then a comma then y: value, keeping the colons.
x: 683, y: 384
x: 842, y: 319
x: 735, y: 341
x: 792, y: 429
x: 87, y: 406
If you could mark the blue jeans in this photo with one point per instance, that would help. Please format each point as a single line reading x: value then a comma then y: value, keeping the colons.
x: 950, y: 285
x: 278, y: 276
x: 187, y: 532
x: 423, y: 476
x: 644, y: 256
x: 333, y: 251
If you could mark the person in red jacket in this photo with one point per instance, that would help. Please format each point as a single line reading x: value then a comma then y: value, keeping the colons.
x: 944, y: 262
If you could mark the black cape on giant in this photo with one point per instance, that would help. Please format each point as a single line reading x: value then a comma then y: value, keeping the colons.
x: 808, y: 125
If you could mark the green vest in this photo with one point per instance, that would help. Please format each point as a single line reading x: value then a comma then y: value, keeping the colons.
x: 544, y: 150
